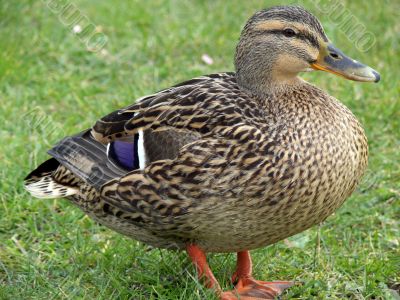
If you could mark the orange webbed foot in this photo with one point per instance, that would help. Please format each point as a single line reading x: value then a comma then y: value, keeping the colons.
x: 251, y: 289
x: 246, y: 288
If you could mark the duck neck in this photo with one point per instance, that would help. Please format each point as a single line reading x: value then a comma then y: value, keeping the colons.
x: 268, y: 84
x: 263, y: 78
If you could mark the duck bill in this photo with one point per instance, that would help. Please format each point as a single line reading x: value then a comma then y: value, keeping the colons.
x: 333, y: 60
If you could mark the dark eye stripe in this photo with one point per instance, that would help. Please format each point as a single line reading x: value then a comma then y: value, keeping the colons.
x: 301, y: 35
x: 313, y: 41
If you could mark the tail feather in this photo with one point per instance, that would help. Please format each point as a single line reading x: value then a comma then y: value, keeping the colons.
x: 46, y: 187
x: 87, y: 159
x: 81, y: 159
x: 41, y: 182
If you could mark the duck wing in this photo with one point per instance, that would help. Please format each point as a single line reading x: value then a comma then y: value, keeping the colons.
x: 220, y: 165
x: 200, y: 106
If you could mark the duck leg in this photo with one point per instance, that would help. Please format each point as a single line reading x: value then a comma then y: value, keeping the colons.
x: 204, y: 272
x: 248, y: 288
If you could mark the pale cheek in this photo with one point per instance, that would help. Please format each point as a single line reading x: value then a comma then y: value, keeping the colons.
x: 313, y: 52
x: 290, y: 64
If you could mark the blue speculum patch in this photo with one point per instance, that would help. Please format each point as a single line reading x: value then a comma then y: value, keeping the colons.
x: 125, y: 153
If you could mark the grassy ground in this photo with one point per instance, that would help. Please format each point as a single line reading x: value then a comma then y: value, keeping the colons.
x: 51, y: 86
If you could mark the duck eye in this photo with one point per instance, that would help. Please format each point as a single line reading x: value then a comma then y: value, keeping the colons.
x: 288, y: 32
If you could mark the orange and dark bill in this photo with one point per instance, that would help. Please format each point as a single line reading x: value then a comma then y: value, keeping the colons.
x: 332, y: 60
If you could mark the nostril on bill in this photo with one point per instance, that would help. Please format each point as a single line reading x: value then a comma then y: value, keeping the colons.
x: 334, y: 55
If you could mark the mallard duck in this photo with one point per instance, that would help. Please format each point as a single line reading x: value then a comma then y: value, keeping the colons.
x: 226, y: 162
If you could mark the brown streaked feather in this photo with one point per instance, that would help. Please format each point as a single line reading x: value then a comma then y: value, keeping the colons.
x: 113, y: 124
x: 197, y: 106
x: 243, y: 171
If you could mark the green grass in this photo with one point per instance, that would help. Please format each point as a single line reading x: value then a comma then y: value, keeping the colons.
x: 51, y: 86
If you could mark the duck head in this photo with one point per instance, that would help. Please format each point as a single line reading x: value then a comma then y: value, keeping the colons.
x: 278, y: 43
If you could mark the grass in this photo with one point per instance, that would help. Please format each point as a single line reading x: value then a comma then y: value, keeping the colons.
x: 51, y: 86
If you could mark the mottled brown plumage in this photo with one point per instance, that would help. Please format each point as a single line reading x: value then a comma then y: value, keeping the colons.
x: 272, y: 167
x: 234, y: 161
